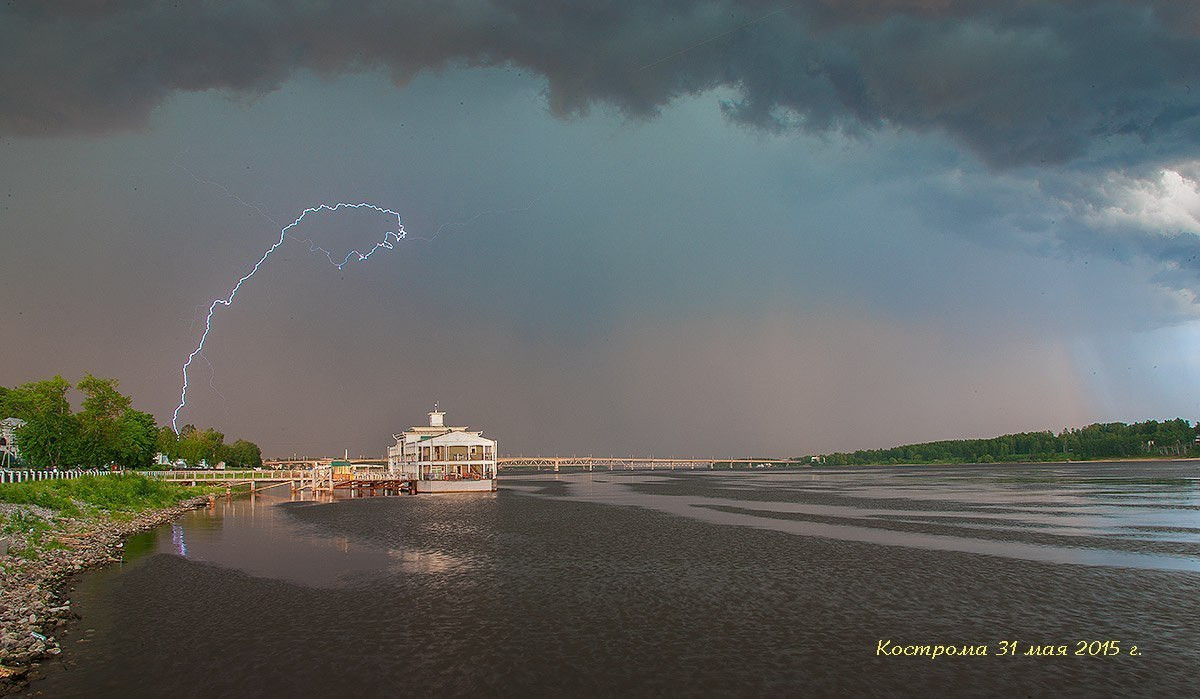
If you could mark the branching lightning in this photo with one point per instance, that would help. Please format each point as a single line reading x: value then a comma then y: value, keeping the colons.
x: 212, y: 376
x: 388, y: 241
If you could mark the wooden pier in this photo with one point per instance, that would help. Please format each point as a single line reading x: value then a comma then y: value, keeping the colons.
x: 314, y: 479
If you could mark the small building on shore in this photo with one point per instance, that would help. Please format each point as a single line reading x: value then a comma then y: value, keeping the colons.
x: 437, y: 458
x: 9, y: 455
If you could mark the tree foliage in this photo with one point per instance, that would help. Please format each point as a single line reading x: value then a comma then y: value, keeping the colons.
x: 50, y: 435
x: 137, y: 439
x: 167, y: 442
x: 243, y: 454
x: 208, y: 445
x: 107, y: 430
x: 1098, y: 441
x: 102, y: 423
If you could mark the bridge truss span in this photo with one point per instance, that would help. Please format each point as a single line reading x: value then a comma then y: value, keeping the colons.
x: 631, y: 463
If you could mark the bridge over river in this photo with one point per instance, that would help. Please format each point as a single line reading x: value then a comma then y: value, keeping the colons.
x: 632, y: 463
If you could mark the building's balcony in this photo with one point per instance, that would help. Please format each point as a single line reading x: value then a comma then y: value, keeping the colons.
x: 456, y: 463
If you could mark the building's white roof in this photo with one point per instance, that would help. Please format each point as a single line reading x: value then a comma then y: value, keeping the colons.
x: 12, y: 423
x: 441, y: 435
x: 413, y: 434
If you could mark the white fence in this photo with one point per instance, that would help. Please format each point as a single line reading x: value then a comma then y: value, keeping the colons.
x: 11, y: 476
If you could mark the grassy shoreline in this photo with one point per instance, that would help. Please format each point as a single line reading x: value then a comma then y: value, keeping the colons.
x: 56, y: 529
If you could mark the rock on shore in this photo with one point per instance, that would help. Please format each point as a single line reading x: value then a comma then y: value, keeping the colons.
x: 32, y: 604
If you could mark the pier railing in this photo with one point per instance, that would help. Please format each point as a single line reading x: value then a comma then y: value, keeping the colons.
x: 239, y: 475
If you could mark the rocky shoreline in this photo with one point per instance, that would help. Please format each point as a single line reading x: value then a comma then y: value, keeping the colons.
x: 33, y: 606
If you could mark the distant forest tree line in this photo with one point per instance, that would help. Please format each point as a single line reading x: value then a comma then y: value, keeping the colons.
x: 1098, y: 441
x: 107, y: 430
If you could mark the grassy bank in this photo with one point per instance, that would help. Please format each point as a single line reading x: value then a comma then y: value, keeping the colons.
x: 35, y: 511
x: 118, y: 494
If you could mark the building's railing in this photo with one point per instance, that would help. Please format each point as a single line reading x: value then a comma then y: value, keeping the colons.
x: 371, y: 475
x: 30, y: 474
x: 473, y: 476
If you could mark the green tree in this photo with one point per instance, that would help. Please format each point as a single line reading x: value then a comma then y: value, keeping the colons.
x: 138, y: 437
x: 243, y: 454
x: 214, y: 446
x: 201, y: 445
x: 191, y: 446
x: 251, y: 454
x: 167, y: 442
x: 99, y: 421
x: 6, y: 400
x: 50, y: 437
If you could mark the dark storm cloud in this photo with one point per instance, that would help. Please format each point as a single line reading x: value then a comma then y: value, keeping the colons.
x: 1015, y: 82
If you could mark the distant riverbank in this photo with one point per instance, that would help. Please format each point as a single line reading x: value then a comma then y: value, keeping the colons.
x: 55, y: 529
x: 1110, y: 441
x: 1023, y: 462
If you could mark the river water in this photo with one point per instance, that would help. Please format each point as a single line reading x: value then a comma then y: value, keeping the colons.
x: 762, y: 582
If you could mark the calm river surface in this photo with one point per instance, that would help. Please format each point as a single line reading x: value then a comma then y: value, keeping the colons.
x: 762, y: 582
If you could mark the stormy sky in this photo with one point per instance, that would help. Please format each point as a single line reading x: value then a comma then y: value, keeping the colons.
x: 668, y: 228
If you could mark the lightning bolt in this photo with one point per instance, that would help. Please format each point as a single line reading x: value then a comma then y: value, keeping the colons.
x: 389, y: 238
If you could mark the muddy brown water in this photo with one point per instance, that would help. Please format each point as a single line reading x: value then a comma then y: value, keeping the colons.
x: 745, y: 583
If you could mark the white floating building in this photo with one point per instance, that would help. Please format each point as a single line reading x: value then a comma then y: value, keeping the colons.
x: 441, y: 459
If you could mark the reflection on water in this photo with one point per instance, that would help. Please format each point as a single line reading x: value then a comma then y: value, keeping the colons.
x: 177, y: 539
x: 619, y: 584
x: 256, y: 535
x: 1140, y: 515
